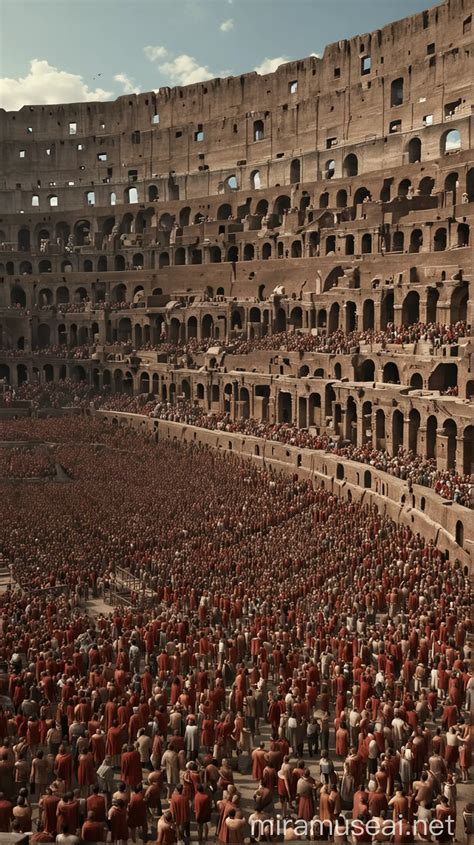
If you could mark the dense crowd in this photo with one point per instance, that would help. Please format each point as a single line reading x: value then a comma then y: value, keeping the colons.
x: 55, y: 350
x: 405, y: 464
x: 24, y: 462
x: 292, y: 665
x: 415, y: 469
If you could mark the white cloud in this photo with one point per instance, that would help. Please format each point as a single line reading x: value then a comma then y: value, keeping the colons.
x: 227, y: 25
x: 155, y: 53
x: 270, y: 65
x: 127, y: 84
x: 47, y: 85
x: 185, y: 70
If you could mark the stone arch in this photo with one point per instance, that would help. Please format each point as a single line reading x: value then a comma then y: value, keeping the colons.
x: 249, y: 252
x: 207, y: 329
x: 281, y: 206
x: 224, y: 211
x: 390, y: 373
x: 468, y: 450
x: 440, y: 239
x: 416, y: 381
x: 334, y: 313
x: 463, y: 233
x: 431, y: 305
x: 397, y: 431
x: 361, y: 195
x: 295, y: 171
x: 341, y: 198
x: 459, y: 300
x: 450, y: 141
x: 414, y: 150
x: 450, y: 430
x: 426, y: 186
x: 413, y: 429
x: 368, y: 315
x: 380, y: 429
x: 266, y: 251
x: 387, y: 310
x: 350, y: 166
x: 180, y: 256
x: 411, y: 308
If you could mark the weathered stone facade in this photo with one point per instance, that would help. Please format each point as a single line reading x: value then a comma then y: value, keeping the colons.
x: 333, y: 194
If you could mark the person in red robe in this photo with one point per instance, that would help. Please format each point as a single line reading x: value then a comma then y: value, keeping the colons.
x: 180, y: 811
x: 131, y: 768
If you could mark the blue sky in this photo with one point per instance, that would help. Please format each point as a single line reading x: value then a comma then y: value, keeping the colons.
x: 65, y: 50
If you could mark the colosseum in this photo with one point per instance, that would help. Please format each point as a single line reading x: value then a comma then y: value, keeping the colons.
x: 248, y: 246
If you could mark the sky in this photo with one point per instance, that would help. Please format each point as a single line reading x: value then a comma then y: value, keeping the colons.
x: 54, y: 51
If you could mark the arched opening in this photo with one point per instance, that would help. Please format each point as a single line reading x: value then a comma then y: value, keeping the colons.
x: 463, y: 235
x: 349, y: 239
x: 224, y: 212
x: 341, y: 199
x: 387, y: 310
x: 152, y: 193
x: 81, y: 233
x: 390, y: 373
x: 231, y: 183
x: 426, y: 186
x: 192, y: 327
x: 431, y: 429
x: 351, y: 421
x: 361, y: 195
x: 450, y: 431
x: 196, y: 256
x: 296, y: 250
x: 314, y: 409
x: 124, y: 330
x: 118, y: 293
x: 350, y: 166
x: 351, y: 316
x: 44, y: 336
x: 397, y: 431
x: 366, y: 371
x: 470, y: 184
x: 130, y: 195
x: 368, y: 317
x: 296, y: 318
x: 62, y: 295
x: 334, y: 318
x: 367, y: 479
x: 414, y: 151
x: 330, y: 168
x: 313, y: 244
x: 380, y: 429
x: 411, y: 308
x: 45, y: 298
x: 233, y: 254
x: 255, y: 180
x: 21, y: 374
x: 396, y: 92
x: 119, y: 263
x: 88, y: 266
x: 174, y: 331
x: 281, y: 207
x: 280, y: 320
x: 207, y: 326
x: 266, y: 251
x: 459, y: 299
x: 459, y: 533
x: 262, y: 208
x: 249, y: 252
x: 25, y: 268
x: 450, y: 141
x: 340, y: 472
x: 416, y: 381
x: 398, y: 242
x: 144, y: 386
x: 413, y: 428
x: 444, y: 378
x: 164, y: 259
x: 90, y: 197
x: 44, y: 266
x: 215, y: 255
x: 431, y: 305
x: 180, y: 256
x: 244, y: 399
x: 285, y: 414
x: 236, y: 321
x: 404, y: 188
x: 366, y: 244
x: 295, y: 171
x: 468, y: 450
x: 439, y: 240
x: 24, y: 240
x: 324, y: 200
x: 102, y: 264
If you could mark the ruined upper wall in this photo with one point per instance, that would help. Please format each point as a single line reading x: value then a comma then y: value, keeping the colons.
x: 399, y: 47
x: 315, y: 110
